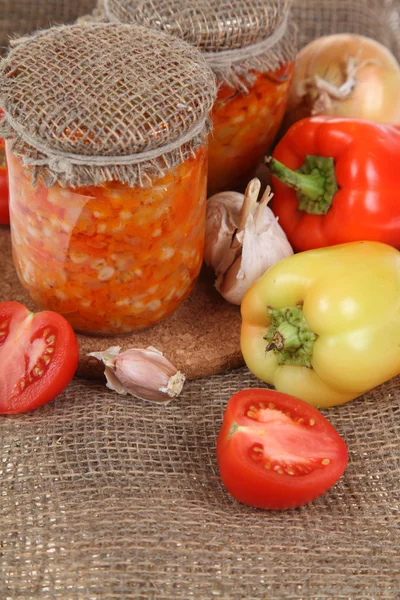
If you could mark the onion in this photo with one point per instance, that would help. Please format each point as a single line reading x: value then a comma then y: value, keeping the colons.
x: 345, y: 75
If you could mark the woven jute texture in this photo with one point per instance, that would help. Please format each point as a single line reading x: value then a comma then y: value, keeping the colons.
x: 105, y: 498
x: 18, y: 17
x: 85, y: 104
x: 234, y: 36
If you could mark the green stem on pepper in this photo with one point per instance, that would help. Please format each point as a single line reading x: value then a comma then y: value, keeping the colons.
x: 290, y: 336
x: 314, y: 182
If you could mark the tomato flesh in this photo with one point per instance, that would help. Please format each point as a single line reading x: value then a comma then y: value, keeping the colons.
x: 38, y: 357
x: 276, y: 452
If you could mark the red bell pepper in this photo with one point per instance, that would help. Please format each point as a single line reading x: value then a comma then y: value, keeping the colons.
x: 337, y: 180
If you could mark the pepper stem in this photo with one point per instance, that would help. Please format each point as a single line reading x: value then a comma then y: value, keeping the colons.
x: 315, y: 182
x: 290, y: 337
x: 286, y: 338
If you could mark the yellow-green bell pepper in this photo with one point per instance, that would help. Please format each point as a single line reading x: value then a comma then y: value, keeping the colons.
x: 324, y: 325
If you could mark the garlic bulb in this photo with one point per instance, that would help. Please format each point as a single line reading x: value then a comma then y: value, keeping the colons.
x: 143, y: 373
x: 243, y: 239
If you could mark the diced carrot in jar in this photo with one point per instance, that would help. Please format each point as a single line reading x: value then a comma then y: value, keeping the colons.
x: 245, y: 125
x: 111, y: 259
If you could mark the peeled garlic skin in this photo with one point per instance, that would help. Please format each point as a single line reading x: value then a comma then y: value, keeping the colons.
x: 376, y: 90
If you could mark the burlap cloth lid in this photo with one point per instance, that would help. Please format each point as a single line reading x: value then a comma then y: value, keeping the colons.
x: 234, y: 36
x: 85, y: 104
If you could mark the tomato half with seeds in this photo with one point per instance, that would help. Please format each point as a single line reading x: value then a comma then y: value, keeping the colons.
x: 277, y: 452
x: 38, y: 357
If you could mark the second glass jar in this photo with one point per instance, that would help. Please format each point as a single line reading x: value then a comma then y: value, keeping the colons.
x: 245, y: 124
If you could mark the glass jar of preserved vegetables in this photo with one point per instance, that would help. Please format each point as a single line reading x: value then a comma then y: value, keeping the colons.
x: 245, y: 124
x: 250, y: 45
x: 108, y: 175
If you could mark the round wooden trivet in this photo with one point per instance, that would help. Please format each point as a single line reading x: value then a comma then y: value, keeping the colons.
x: 202, y: 338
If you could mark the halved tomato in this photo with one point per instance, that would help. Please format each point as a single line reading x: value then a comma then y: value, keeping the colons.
x: 277, y: 452
x: 38, y: 357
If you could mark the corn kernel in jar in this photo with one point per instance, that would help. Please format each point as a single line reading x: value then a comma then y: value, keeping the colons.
x: 111, y: 259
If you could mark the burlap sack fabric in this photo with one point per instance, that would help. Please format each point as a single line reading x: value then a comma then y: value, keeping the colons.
x: 104, y: 497
x: 18, y: 17
x: 234, y: 37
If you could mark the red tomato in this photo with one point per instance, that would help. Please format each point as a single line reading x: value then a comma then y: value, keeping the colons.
x: 277, y: 452
x: 38, y: 357
x: 4, y: 214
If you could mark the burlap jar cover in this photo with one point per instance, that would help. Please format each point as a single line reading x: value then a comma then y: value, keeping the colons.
x: 234, y: 37
x: 105, y: 498
x: 140, y: 106
x: 246, y: 43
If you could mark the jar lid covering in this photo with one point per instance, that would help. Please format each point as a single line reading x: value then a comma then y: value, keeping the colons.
x: 210, y: 25
x: 253, y: 34
x: 96, y: 102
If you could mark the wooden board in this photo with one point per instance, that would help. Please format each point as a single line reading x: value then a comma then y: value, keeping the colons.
x: 201, y: 338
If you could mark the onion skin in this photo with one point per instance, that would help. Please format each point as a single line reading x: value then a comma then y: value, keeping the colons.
x: 345, y: 75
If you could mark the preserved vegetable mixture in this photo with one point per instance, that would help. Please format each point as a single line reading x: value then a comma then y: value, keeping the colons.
x: 244, y: 127
x: 4, y: 213
x: 111, y: 259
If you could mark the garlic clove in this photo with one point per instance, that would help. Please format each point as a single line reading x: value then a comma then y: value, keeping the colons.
x: 262, y: 249
x: 229, y: 285
x: 248, y: 206
x: 223, y: 216
x: 113, y: 382
x: 144, y: 373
